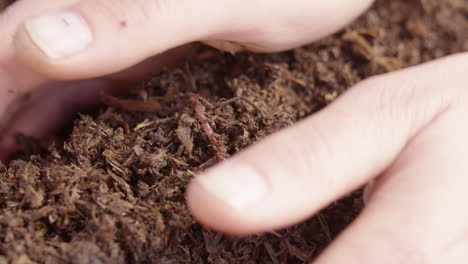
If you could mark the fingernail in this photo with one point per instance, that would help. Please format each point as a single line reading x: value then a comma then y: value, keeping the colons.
x: 238, y: 185
x: 59, y: 34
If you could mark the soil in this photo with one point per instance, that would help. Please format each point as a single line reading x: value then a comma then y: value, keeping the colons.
x: 113, y: 190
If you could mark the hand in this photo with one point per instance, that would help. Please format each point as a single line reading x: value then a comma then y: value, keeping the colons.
x: 407, y: 127
x: 34, y: 104
x: 87, y: 39
x: 396, y: 126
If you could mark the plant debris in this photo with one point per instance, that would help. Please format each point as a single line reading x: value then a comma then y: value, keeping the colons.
x: 113, y: 191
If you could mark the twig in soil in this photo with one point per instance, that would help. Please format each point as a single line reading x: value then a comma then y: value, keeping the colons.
x: 206, y: 102
x: 354, y: 37
x: 324, y: 224
x: 148, y: 123
x: 201, y: 117
x: 132, y: 105
x: 234, y: 99
x: 284, y: 73
x: 299, y: 253
x: 226, y: 102
x: 275, y: 234
x: 271, y: 253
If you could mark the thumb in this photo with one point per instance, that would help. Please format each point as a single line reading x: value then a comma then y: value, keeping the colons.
x: 92, y: 38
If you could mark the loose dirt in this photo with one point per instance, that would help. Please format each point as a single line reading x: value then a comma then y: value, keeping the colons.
x: 113, y: 190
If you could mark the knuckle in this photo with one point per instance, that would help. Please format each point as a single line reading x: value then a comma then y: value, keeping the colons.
x: 297, y: 151
x: 128, y: 11
x: 396, y: 98
x: 384, y: 93
x: 148, y: 8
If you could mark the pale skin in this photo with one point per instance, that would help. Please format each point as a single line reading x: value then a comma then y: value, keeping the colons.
x: 406, y: 130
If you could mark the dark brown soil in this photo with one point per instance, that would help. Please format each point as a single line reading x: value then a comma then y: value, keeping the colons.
x: 5, y: 3
x: 113, y: 191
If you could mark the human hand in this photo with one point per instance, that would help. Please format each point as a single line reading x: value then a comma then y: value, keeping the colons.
x: 119, y: 35
x: 375, y: 125
x: 35, y: 104
x: 405, y: 130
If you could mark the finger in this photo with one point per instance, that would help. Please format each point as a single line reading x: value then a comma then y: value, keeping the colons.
x: 47, y: 112
x: 98, y: 37
x: 51, y: 110
x: 15, y: 79
x: 294, y: 173
x: 416, y: 210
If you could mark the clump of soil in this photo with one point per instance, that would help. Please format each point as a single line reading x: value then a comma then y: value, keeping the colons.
x: 113, y: 191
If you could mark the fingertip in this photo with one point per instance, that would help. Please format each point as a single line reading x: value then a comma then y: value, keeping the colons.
x: 48, y: 43
x: 213, y: 213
